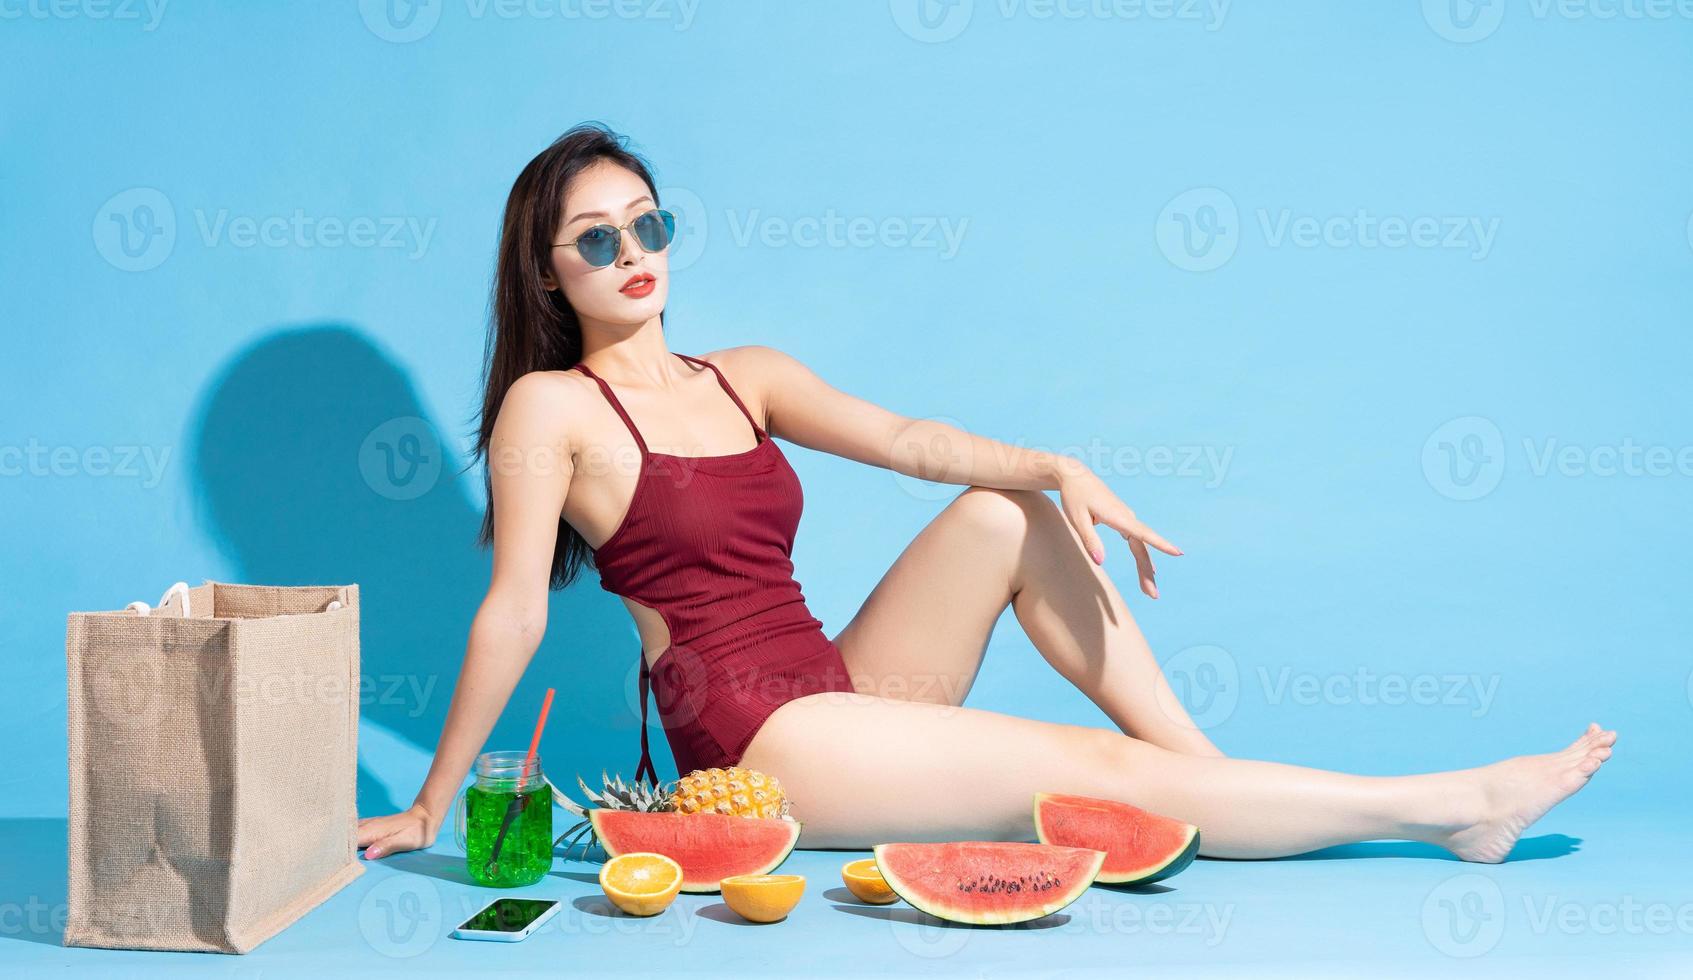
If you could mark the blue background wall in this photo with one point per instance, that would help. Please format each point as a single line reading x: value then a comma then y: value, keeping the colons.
x: 1120, y: 243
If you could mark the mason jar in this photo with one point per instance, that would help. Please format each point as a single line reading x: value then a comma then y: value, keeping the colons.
x: 505, y: 821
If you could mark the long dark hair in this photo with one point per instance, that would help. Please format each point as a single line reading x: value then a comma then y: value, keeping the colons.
x: 532, y: 328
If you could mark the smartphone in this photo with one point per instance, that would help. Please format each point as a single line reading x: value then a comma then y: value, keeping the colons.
x: 507, y: 920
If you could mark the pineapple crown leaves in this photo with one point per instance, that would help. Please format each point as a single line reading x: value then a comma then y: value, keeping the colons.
x: 616, y: 795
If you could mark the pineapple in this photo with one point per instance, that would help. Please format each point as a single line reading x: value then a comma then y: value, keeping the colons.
x: 735, y: 791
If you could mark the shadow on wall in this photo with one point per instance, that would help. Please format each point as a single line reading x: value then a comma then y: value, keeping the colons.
x: 314, y: 464
x: 33, y: 886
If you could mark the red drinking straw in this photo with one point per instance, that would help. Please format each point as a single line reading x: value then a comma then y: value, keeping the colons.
x: 535, y: 743
x: 519, y: 801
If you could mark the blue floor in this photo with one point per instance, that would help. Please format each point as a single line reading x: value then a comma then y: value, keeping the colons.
x: 1586, y: 893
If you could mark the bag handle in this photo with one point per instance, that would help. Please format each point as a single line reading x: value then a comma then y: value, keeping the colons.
x: 145, y: 610
x: 182, y: 587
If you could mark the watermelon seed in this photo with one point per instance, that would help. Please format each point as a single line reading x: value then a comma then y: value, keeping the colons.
x: 1042, y: 881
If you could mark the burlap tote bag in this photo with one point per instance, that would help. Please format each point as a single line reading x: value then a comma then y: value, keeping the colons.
x: 213, y: 761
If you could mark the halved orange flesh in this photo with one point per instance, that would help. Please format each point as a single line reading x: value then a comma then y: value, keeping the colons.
x: 866, y: 883
x: 762, y: 898
x: 641, y: 883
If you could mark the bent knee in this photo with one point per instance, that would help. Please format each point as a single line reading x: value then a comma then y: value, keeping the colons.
x: 1124, y: 753
x: 997, y: 510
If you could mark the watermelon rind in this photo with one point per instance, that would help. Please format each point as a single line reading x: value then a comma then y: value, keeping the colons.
x: 1157, y: 870
x: 923, y: 901
x: 629, y: 839
x: 1175, y: 866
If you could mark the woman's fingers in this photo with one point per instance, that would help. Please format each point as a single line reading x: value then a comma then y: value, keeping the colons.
x: 1138, y: 530
x: 1082, y: 520
x: 1143, y: 565
x: 372, y: 829
x: 406, y: 837
x: 1137, y: 534
x: 1130, y: 527
x: 379, y: 847
x: 381, y: 836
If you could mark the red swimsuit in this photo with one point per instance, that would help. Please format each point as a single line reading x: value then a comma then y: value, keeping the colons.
x: 706, y: 542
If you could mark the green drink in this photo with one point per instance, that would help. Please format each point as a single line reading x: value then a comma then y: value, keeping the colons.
x: 506, y: 822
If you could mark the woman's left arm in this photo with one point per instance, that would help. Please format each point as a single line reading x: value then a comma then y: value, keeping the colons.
x: 804, y: 409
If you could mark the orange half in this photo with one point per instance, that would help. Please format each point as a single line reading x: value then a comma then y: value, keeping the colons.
x: 642, y: 882
x: 762, y: 898
x: 866, y: 882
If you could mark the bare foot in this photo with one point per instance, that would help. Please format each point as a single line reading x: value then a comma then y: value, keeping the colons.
x: 1517, y: 792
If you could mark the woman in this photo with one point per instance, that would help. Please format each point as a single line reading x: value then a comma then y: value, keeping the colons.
x: 600, y: 440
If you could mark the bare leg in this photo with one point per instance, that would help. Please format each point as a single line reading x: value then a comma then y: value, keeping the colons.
x: 864, y: 770
x: 923, y: 631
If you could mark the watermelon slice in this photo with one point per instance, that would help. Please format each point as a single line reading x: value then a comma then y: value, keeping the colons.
x: 987, y: 882
x: 708, y: 846
x: 1140, y: 847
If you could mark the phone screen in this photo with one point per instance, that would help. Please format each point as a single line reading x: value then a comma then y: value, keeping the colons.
x: 508, y: 915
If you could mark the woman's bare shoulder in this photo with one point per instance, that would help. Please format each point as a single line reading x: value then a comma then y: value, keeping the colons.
x: 754, y: 360
x: 545, y: 406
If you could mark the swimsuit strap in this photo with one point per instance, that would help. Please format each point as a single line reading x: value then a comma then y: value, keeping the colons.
x: 721, y: 380
x: 646, y: 763
x: 618, y: 406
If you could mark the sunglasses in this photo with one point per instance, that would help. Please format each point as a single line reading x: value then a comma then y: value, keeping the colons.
x: 600, y: 245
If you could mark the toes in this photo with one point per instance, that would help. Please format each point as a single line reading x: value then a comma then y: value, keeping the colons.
x: 1594, y: 736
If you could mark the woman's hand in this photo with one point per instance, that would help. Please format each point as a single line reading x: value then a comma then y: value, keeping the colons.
x: 1086, y: 501
x: 409, y: 831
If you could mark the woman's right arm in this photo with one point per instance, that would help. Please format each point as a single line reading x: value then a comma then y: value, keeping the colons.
x: 529, y: 460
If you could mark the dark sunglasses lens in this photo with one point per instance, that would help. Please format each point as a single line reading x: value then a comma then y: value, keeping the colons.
x: 655, y: 229
x: 598, y: 245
